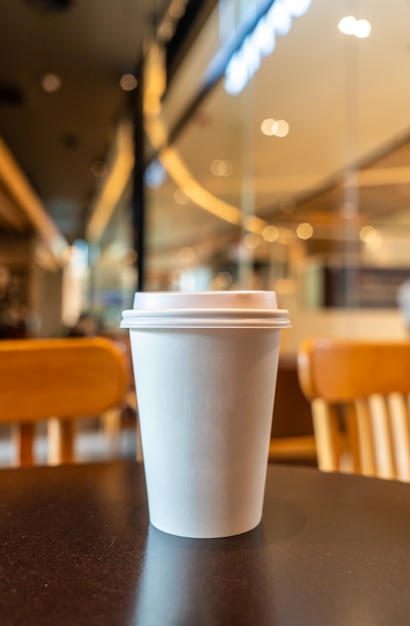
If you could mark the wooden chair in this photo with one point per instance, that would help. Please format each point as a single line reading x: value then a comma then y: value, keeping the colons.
x: 359, y: 394
x: 61, y: 379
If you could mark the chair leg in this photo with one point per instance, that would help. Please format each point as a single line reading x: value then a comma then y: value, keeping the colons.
x: 111, y: 423
x: 61, y: 433
x: 23, y: 436
x: 364, y: 430
x: 326, y: 436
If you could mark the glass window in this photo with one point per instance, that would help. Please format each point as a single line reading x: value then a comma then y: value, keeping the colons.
x: 289, y: 171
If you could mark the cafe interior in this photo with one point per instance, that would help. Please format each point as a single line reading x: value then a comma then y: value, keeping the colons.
x: 201, y: 146
x: 204, y: 146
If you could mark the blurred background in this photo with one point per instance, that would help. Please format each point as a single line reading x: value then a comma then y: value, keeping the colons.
x: 204, y: 144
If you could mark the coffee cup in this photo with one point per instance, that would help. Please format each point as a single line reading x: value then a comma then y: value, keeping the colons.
x: 205, y: 367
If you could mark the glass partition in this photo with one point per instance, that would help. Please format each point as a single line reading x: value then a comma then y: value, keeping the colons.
x: 281, y: 153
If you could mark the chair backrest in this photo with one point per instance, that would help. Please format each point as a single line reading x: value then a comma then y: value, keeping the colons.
x: 359, y: 394
x: 62, y: 379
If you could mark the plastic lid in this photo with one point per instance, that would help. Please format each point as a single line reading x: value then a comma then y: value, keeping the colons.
x: 213, y: 309
x: 157, y: 300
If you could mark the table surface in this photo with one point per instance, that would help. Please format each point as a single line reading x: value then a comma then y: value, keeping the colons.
x: 76, y: 548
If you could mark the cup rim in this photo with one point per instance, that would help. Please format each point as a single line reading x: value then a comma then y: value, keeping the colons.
x: 206, y: 318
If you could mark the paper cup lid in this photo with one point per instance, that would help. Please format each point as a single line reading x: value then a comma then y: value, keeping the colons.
x: 213, y: 309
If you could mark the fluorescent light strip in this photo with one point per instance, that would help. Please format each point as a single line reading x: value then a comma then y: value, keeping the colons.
x: 261, y: 42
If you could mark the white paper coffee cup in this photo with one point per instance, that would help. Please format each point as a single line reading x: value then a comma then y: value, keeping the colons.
x: 205, y: 367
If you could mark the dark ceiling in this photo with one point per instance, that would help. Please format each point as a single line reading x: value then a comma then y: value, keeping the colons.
x: 56, y: 137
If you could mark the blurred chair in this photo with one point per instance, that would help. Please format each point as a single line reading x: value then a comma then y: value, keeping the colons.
x: 62, y: 379
x: 359, y: 393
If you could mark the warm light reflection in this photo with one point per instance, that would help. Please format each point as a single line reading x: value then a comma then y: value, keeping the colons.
x: 51, y: 83
x: 251, y: 241
x: 280, y: 128
x: 128, y: 82
x: 19, y: 188
x: 254, y: 224
x: 99, y: 169
x: 368, y: 234
x: 221, y: 167
x: 271, y: 127
x: 304, y: 231
x: 114, y: 183
x: 170, y: 21
x: 154, y: 88
x: 156, y: 129
x: 270, y: 233
x: 179, y: 172
x: 223, y: 280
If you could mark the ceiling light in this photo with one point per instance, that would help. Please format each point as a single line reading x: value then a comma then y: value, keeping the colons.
x: 267, y: 126
x: 270, y: 233
x: 362, y: 29
x: 221, y: 167
x: 304, y: 231
x: 280, y: 18
x: 368, y: 234
x: 51, y: 83
x: 128, y: 82
x: 279, y: 128
x: 349, y: 25
x: 260, y: 43
x: 251, y: 241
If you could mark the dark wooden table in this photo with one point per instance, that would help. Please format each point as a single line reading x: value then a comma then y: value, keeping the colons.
x: 76, y: 548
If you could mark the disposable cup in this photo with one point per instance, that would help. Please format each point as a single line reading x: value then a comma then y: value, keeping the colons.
x: 205, y: 367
